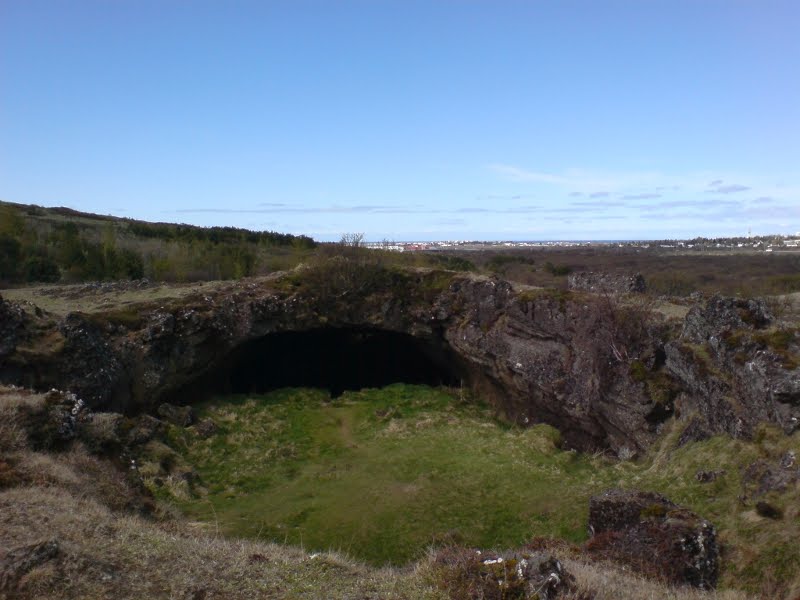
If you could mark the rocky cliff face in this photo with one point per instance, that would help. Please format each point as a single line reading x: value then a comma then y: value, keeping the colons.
x: 737, y: 368
x: 605, y: 371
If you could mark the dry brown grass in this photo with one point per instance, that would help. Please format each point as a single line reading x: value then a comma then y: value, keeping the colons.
x: 14, y: 403
x: 607, y: 582
x: 88, y: 506
x: 104, y: 555
x: 62, y: 299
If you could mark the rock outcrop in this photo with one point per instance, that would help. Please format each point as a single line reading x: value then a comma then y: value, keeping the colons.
x: 599, y: 367
x: 12, y: 320
x: 654, y: 536
x: 608, y: 283
x: 736, y: 368
x: 470, y: 573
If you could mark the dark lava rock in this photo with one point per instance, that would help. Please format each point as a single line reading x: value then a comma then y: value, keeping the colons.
x: 92, y: 370
x: 618, y: 509
x: 182, y: 416
x: 767, y: 510
x: 762, y: 477
x: 708, y: 476
x: 468, y: 573
x: 653, y: 536
x: 54, y: 424
x: 145, y: 429
x: 695, y: 431
x: 721, y: 314
x: 557, y: 357
x: 206, y: 428
x: 12, y: 320
x: 610, y: 283
x: 19, y: 561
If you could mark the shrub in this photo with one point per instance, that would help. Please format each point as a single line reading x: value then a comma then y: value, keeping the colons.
x: 557, y: 270
x: 638, y: 371
x: 41, y: 268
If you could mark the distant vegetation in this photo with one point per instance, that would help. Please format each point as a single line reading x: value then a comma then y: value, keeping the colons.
x: 667, y: 271
x: 49, y: 245
x: 63, y: 245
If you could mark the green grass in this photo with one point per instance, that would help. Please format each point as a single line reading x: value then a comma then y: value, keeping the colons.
x: 383, y: 474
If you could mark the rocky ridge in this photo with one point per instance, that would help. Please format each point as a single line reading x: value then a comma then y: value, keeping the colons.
x: 604, y: 369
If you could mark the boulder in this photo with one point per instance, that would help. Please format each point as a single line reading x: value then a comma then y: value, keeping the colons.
x: 721, y: 315
x: 708, y: 476
x: 652, y: 535
x: 762, y: 476
x: 608, y: 283
x: 144, y: 429
x: 206, y: 428
x: 12, y: 320
x: 469, y: 573
x: 182, y: 416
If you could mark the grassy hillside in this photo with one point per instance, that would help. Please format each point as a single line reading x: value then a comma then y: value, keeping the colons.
x: 48, y: 245
x: 60, y: 244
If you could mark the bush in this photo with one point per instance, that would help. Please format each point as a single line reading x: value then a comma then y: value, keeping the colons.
x: 557, y: 270
x: 41, y: 268
x: 638, y: 371
x: 670, y: 284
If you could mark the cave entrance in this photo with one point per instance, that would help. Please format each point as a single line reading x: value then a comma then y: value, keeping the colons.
x: 337, y: 359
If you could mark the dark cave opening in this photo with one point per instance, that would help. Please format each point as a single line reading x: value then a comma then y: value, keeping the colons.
x: 336, y: 359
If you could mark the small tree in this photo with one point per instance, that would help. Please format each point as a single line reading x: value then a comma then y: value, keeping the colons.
x: 352, y: 240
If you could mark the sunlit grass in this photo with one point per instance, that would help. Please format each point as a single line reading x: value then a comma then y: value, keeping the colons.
x: 383, y: 474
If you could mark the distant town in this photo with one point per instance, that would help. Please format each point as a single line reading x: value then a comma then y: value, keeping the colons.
x: 770, y: 243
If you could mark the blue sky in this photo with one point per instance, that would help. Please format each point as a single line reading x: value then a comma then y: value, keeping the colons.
x: 407, y: 120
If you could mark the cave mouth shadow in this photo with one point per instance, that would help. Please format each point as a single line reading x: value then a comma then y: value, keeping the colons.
x: 336, y: 359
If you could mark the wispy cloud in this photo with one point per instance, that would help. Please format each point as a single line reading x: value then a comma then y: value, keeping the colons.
x: 503, y: 197
x: 222, y: 211
x: 518, y: 174
x: 268, y: 208
x: 449, y: 222
x: 646, y: 196
x: 599, y: 195
x: 719, y: 187
x: 584, y: 181
x: 472, y: 209
x: 763, y: 200
x: 589, y: 204
x: 520, y: 209
x: 700, y: 205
